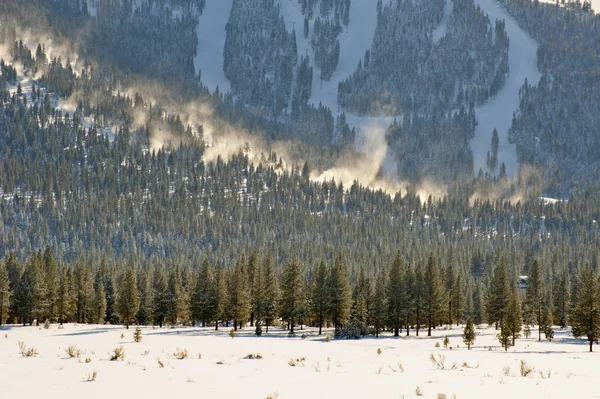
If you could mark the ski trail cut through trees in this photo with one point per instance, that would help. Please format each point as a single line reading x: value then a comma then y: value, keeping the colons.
x: 498, y: 112
x: 211, y: 33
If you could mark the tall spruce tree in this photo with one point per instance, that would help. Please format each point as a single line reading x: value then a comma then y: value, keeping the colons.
x: 160, y: 301
x: 99, y: 307
x: 202, y: 300
x: 14, y: 268
x: 340, y: 299
x: 585, y: 314
x: 144, y: 314
x: 291, y: 293
x: 219, y: 295
x: 320, y: 295
x: 396, y: 295
x: 50, y: 276
x: 271, y: 292
x: 239, y: 295
x: 498, y: 295
x: 128, y: 301
x: 514, y: 318
x: 5, y: 293
x: 418, y: 295
x: 84, y: 298
x: 65, y: 299
x: 177, y: 308
x: 361, y: 296
x: 534, y: 296
x: 434, y: 294
x: 378, y: 309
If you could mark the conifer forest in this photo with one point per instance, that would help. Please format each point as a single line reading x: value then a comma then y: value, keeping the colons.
x: 413, y: 172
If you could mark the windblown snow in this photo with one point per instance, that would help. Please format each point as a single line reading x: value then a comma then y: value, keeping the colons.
x: 498, y: 112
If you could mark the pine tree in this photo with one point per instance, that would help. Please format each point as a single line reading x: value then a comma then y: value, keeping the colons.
x: 585, y: 314
x: 469, y: 334
x: 271, y: 292
x: 505, y: 336
x: 450, y: 288
x: 202, y: 301
x: 433, y: 297
x: 458, y: 299
x: 177, y: 308
x: 498, y: 295
x: 396, y: 294
x: 84, y: 298
x: 534, y: 296
x: 418, y: 295
x: 291, y: 293
x: 99, y: 311
x: 160, y: 299
x: 359, y: 313
x: 478, y: 303
x: 219, y: 294
x: 238, y: 295
x: 50, y: 276
x: 144, y: 314
x: 251, y: 274
x: 340, y: 298
x: 5, y: 293
x: 513, y: 315
x: 65, y: 300
x: 14, y: 268
x: 378, y: 310
x: 561, y: 299
x: 319, y: 297
x: 128, y: 301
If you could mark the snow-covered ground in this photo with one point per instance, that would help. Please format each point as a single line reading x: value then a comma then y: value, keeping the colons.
x: 498, y: 112
x: 216, y: 366
x: 211, y: 42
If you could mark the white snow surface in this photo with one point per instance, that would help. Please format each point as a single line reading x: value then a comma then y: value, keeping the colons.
x: 211, y: 42
x: 498, y: 112
x: 440, y: 30
x: 344, y: 369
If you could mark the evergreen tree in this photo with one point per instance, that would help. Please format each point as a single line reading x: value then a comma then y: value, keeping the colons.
x: 5, y: 293
x: 144, y: 314
x: 219, y: 296
x: 65, y: 300
x: 534, y: 296
x: 561, y: 299
x: 340, y: 298
x: 160, y: 299
x: 271, y: 292
x: 202, y: 301
x: 478, y: 304
x: 469, y: 334
x: 450, y: 289
x: 128, y: 301
x: 359, y: 313
x: 50, y: 276
x: 291, y: 293
x: 239, y: 296
x: 319, y: 297
x: 84, y: 298
x: 396, y: 295
x: 433, y: 297
x: 513, y: 315
x: 418, y: 295
x: 458, y: 299
x: 505, y: 335
x: 585, y: 314
x: 99, y: 308
x: 378, y: 310
x: 498, y: 295
x: 177, y: 304
x: 14, y: 269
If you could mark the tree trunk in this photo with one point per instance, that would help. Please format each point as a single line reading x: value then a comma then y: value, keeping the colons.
x: 320, y: 325
x: 291, y: 327
x: 217, y: 325
x: 429, y: 326
x: 252, y: 319
x: 591, y: 343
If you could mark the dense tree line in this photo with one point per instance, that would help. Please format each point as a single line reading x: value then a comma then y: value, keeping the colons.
x: 256, y: 292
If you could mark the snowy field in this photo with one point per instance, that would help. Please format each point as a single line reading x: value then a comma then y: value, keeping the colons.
x: 217, y: 367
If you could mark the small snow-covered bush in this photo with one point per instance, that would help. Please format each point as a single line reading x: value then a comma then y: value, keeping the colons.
x: 252, y: 356
x: 418, y: 391
x: 47, y: 324
x: 232, y: 333
x: 297, y: 362
x: 446, y: 341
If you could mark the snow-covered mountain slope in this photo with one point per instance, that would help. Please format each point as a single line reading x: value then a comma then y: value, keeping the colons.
x: 211, y: 41
x: 440, y: 31
x: 498, y: 112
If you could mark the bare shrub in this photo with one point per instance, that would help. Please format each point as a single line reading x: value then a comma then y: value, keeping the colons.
x: 252, y: 356
x: 297, y: 362
x: 525, y: 368
x: 418, y: 391
x: 118, y: 354
x: 181, y: 354
x: 27, y: 352
x: 160, y: 363
x: 92, y: 376
x: 73, y: 351
x: 438, y: 361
